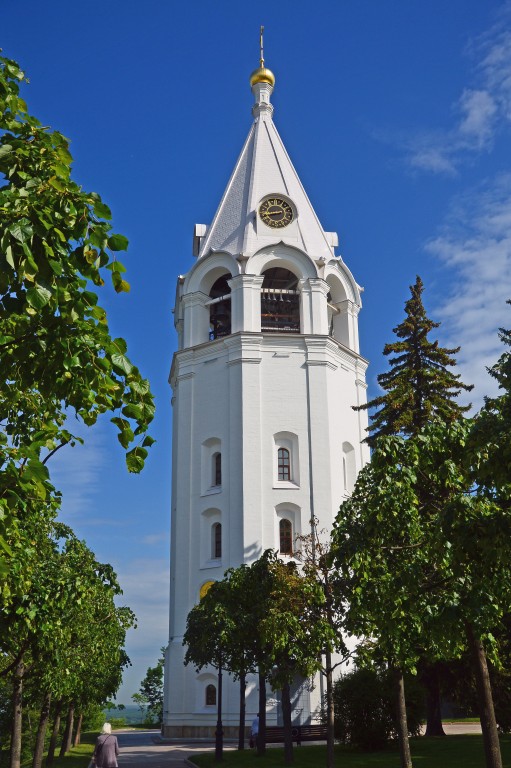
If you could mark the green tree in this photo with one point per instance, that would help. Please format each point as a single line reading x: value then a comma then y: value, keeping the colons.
x: 315, y: 556
x: 263, y: 616
x: 65, y: 636
x: 427, y: 575
x: 365, y: 714
x: 151, y: 688
x: 57, y: 359
x: 56, y: 352
x: 419, y: 385
x: 293, y: 634
x: 492, y: 430
x: 222, y: 630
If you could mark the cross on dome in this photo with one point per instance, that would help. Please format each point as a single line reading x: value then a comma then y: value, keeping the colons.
x: 262, y: 74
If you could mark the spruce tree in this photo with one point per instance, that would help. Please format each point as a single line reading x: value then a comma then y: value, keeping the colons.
x: 419, y: 384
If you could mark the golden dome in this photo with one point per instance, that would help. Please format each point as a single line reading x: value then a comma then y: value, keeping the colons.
x: 262, y: 75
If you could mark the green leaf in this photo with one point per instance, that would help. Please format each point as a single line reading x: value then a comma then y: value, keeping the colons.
x: 132, y: 411
x: 21, y: 231
x: 102, y: 210
x: 57, y: 184
x: 5, y: 150
x: 60, y: 234
x: 148, y: 441
x: 9, y: 257
x: 38, y: 296
x: 140, y: 387
x: 117, y: 242
x: 135, y: 459
x: 121, y: 362
x: 116, y: 266
x: 123, y: 287
x: 125, y: 437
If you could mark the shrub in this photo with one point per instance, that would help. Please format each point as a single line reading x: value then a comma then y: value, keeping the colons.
x: 365, y: 708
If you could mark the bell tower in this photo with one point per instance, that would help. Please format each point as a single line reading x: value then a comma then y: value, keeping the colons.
x: 267, y: 370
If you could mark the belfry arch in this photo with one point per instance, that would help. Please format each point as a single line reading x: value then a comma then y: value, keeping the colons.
x: 220, y: 308
x: 280, y: 301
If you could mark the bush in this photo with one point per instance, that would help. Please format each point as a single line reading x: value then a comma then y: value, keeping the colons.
x: 117, y: 722
x: 365, y: 708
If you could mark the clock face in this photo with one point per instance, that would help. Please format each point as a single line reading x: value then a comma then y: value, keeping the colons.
x: 276, y: 212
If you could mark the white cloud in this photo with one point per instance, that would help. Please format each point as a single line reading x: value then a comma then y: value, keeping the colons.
x: 482, y: 108
x: 478, y: 109
x: 475, y: 245
x: 428, y: 157
x: 145, y: 583
x: 77, y: 472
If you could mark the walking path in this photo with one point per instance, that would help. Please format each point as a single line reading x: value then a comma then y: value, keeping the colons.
x: 144, y: 749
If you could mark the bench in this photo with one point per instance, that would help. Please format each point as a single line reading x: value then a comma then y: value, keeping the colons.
x: 275, y: 733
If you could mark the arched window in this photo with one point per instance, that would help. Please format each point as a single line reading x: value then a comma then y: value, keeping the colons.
x: 210, y: 695
x: 284, y: 464
x: 220, y: 308
x: 216, y: 540
x: 217, y: 469
x: 280, y: 302
x: 286, y: 537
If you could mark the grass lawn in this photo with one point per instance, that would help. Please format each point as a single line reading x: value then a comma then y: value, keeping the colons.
x: 449, y: 752
x: 77, y: 757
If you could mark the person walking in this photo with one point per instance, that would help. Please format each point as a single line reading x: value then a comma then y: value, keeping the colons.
x: 106, y: 749
x: 254, y: 731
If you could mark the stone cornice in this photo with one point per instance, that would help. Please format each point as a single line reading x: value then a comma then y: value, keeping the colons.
x: 338, y: 354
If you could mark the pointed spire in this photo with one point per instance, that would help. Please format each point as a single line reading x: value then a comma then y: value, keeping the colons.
x: 262, y: 81
x: 264, y: 169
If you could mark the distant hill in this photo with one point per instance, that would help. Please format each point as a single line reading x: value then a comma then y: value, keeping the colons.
x: 131, y: 714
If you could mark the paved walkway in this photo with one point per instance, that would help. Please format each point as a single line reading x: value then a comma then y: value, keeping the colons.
x: 144, y: 749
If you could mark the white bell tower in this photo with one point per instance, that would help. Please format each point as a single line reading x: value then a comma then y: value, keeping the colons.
x: 266, y: 373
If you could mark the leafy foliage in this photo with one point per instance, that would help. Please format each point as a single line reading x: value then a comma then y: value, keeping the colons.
x: 56, y: 352
x: 151, y: 692
x: 60, y: 630
x: 492, y: 430
x: 365, y: 708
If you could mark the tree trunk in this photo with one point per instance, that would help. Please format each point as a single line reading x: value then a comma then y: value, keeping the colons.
x: 261, y: 736
x: 219, y: 732
x: 402, y: 723
x: 54, y: 734
x: 68, y: 732
x: 430, y: 678
x: 485, y: 702
x: 78, y: 732
x: 330, y: 711
x: 288, y: 726
x: 17, y: 714
x: 41, y: 732
x: 241, y: 733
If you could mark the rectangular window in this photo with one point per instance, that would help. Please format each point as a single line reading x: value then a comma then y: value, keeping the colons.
x: 286, y: 537
x: 284, y: 466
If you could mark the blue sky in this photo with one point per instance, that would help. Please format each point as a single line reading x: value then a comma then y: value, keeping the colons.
x: 397, y: 116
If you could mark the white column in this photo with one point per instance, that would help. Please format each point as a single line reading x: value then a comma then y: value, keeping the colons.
x: 313, y: 306
x: 346, y: 324
x: 246, y: 303
x: 319, y: 314
x: 195, y: 319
